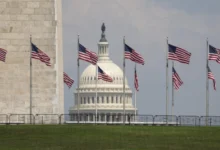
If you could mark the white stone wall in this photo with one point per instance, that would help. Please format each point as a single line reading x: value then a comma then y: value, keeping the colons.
x: 43, y: 20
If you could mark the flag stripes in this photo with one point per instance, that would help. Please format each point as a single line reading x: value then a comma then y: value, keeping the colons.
x: 36, y: 53
x: 178, y: 54
x: 214, y: 54
x: 67, y: 80
x: 133, y: 55
x: 102, y: 75
x: 177, y: 82
x: 87, y: 55
x: 3, y: 53
x: 211, y: 76
x: 136, y: 80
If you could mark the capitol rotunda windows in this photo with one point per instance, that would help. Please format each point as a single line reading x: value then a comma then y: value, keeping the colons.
x: 97, y: 99
x: 102, y: 99
x: 107, y: 99
x: 93, y: 100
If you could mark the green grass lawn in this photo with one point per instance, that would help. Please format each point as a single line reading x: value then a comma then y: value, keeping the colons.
x: 100, y: 137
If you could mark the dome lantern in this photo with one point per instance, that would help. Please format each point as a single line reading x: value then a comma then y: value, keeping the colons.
x: 103, y: 46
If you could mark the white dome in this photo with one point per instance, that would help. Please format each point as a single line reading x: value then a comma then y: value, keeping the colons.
x: 88, y: 77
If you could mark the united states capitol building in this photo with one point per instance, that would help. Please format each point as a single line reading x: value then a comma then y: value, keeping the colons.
x: 109, y: 94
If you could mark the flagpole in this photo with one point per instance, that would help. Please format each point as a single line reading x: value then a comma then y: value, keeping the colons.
x: 96, y: 93
x: 124, y: 82
x: 167, y: 92
x: 135, y: 96
x: 30, y: 80
x: 207, y: 84
x: 78, y: 82
x: 172, y: 92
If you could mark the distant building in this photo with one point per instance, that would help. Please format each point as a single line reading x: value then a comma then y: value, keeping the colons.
x: 110, y: 95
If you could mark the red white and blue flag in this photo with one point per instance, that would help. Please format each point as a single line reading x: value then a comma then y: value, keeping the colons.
x: 211, y: 76
x: 136, y: 80
x: 36, y: 53
x: 87, y: 55
x: 3, y: 53
x: 214, y: 54
x: 131, y: 54
x: 102, y: 75
x: 178, y: 54
x: 67, y: 80
x: 177, y: 82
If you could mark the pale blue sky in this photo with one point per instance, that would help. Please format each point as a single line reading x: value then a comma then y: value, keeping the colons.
x: 146, y: 24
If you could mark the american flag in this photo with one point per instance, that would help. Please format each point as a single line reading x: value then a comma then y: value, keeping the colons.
x: 211, y: 76
x: 131, y: 54
x: 178, y: 54
x: 36, y: 53
x: 87, y: 55
x: 3, y: 53
x: 102, y: 75
x: 69, y: 82
x: 214, y: 54
x: 136, y: 80
x: 177, y: 82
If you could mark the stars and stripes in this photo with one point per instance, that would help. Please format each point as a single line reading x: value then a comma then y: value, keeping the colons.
x: 178, y: 54
x: 102, y: 75
x: 214, y: 54
x: 211, y: 76
x: 3, y: 53
x: 36, y: 53
x: 67, y: 80
x: 177, y: 82
x: 136, y: 80
x: 131, y: 54
x: 87, y: 55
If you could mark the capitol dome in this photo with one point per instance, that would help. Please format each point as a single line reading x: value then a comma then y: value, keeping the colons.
x: 88, y: 77
x: 109, y: 104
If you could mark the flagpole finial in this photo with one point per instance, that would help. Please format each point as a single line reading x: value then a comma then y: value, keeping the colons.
x: 78, y: 38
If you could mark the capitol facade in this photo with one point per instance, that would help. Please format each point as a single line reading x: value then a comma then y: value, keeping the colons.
x: 109, y: 103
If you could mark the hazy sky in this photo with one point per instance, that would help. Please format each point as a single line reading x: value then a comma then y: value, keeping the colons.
x: 146, y: 24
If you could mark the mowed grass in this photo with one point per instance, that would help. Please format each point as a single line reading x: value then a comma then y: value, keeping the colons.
x: 101, y: 137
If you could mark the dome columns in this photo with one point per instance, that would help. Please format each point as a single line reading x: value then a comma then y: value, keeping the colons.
x: 104, y: 99
x: 103, y: 51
